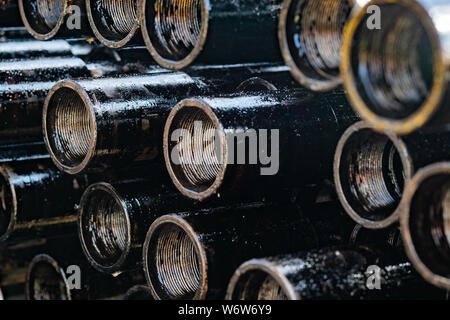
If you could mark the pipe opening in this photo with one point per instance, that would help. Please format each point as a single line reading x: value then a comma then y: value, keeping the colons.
x: 138, y: 292
x: 371, y: 174
x: 69, y: 127
x: 43, y: 15
x: 6, y: 205
x: 46, y: 282
x: 113, y: 19
x: 198, y: 164
x: 174, y: 27
x: 313, y: 33
x: 257, y: 285
x: 174, y: 267
x: 103, y: 227
x: 393, y: 66
x: 429, y: 223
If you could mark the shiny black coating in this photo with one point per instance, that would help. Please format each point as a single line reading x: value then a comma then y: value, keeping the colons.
x: 214, y: 31
x: 340, y: 273
x: 37, y: 199
x: 311, y: 122
x: 27, y: 48
x: 229, y: 236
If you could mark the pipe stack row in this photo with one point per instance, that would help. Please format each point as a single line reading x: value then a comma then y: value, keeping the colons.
x: 210, y: 169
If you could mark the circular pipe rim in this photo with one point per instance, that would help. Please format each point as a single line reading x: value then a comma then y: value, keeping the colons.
x: 178, y: 221
x: 424, y: 113
x: 108, y: 188
x: 73, y: 85
x: 408, y: 169
x: 8, y: 175
x: 267, y: 267
x: 34, y: 33
x: 419, y: 177
x: 114, y: 43
x: 203, y: 105
x: 54, y: 264
x: 195, y: 52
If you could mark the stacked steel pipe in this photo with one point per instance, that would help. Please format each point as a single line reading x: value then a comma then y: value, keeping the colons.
x: 161, y: 150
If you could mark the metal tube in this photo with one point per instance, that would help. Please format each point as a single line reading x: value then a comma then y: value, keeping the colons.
x: 191, y: 256
x: 24, y: 84
x: 177, y: 32
x: 115, y: 23
x: 396, y: 76
x: 335, y: 273
x: 20, y: 48
x: 47, y: 19
x: 138, y: 292
x: 202, y: 162
x: 19, y: 152
x: 310, y: 35
x: 47, y: 279
x: 117, y: 121
x: 37, y: 199
x: 113, y: 220
x: 372, y: 169
x: 9, y: 13
x: 425, y: 223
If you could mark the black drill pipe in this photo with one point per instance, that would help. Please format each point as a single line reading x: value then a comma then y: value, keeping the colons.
x: 177, y: 32
x: 310, y: 35
x: 371, y: 170
x: 424, y: 223
x: 49, y: 278
x: 24, y: 86
x: 13, y: 33
x: 328, y: 274
x: 115, y: 23
x: 397, y: 74
x: 47, y: 19
x: 192, y: 255
x: 25, y: 48
x: 120, y: 120
x: 128, y: 208
x: 309, y: 121
x: 9, y: 13
x: 19, y: 152
x: 138, y: 292
x: 37, y: 198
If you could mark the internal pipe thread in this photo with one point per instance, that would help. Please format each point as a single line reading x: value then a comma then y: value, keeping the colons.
x: 439, y: 212
x: 117, y: 16
x: 104, y: 228
x: 368, y: 174
x: 394, y: 64
x: 177, y: 263
x: 69, y: 127
x: 318, y: 28
x: 176, y: 26
x: 270, y: 289
x: 199, y: 161
x: 49, y: 11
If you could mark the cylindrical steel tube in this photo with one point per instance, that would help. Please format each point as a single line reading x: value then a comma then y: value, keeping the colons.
x: 112, y: 121
x: 335, y: 273
x: 15, y: 49
x: 48, y: 278
x: 35, y: 198
x: 425, y: 223
x: 115, y: 23
x: 177, y: 32
x: 310, y: 35
x: 24, y: 85
x: 138, y: 292
x: 9, y: 13
x: 192, y: 256
x: 46, y: 19
x: 114, y: 218
x: 19, y: 152
x: 372, y: 169
x: 396, y: 74
x: 200, y: 134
